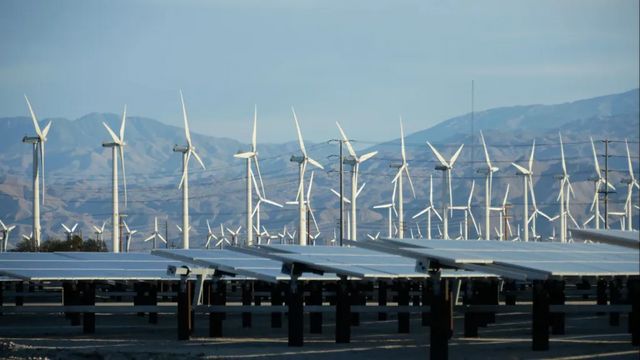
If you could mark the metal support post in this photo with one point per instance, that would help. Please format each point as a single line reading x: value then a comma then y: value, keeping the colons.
x: 343, y: 312
x: 540, y: 316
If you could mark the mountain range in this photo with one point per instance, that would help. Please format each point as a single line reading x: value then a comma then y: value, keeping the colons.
x: 78, y: 169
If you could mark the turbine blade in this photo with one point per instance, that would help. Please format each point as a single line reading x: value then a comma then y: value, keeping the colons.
x: 255, y: 160
x: 195, y: 154
x: 402, y: 150
x: 595, y: 159
x: 300, y: 141
x: 315, y: 163
x: 309, y: 188
x: 124, y: 175
x: 438, y: 156
x: 185, y: 169
x: 208, y: 226
x: 455, y: 156
x: 346, y: 141
x: 629, y: 164
x: 413, y: 190
x: 521, y: 169
x: 187, y: 133
x: 254, y: 134
x: 36, y: 126
x: 124, y: 120
x: 244, y: 155
x: 66, y: 228
x: 533, y: 149
x: 46, y: 131
x: 360, y: 190
x: 421, y: 212
x: 113, y: 135
x: 564, y: 165
x: 367, y: 156
x: 486, y: 152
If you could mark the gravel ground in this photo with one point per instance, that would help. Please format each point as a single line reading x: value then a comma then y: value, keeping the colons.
x: 131, y: 337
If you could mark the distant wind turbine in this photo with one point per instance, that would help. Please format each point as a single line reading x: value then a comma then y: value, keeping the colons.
x: 446, y: 167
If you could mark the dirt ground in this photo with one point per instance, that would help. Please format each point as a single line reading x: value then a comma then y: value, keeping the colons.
x: 132, y: 337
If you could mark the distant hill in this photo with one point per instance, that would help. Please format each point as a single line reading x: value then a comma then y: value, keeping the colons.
x: 78, y: 168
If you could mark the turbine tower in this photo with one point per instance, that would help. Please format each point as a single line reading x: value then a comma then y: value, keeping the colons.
x: 355, y: 162
x: 404, y: 167
x: 251, y: 156
x: 488, y: 188
x: 631, y: 183
x: 446, y: 167
x: 526, y: 174
x: 563, y: 196
x: 38, y: 165
x: 186, y: 152
x: 117, y: 147
x: 430, y: 208
x: 302, y: 161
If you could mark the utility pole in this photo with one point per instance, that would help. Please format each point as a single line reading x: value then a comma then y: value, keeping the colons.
x: 341, y: 143
x: 166, y: 233
x: 606, y: 191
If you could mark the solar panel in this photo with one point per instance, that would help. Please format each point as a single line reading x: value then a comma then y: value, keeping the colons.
x: 85, y: 266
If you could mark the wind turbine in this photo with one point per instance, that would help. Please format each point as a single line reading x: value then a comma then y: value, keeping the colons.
x: 282, y: 236
x: 117, y: 147
x: 503, y: 211
x: 155, y: 235
x: 99, y: 231
x: 234, y: 235
x: 534, y: 215
x: 563, y: 196
x: 302, y: 161
x: 467, y: 213
x: 69, y: 231
x: 488, y: 187
x: 403, y: 167
x: 5, y: 230
x: 446, y: 167
x: 430, y: 208
x: 631, y: 182
x: 38, y: 158
x: 210, y: 235
x: 128, y: 235
x: 222, y: 239
x: 186, y: 152
x: 252, y: 156
x: 261, y: 199
x: 526, y: 174
x: 355, y: 162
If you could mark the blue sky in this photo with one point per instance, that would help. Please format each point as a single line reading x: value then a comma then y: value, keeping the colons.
x: 363, y: 63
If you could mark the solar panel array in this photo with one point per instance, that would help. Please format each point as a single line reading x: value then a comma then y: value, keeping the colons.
x: 533, y: 259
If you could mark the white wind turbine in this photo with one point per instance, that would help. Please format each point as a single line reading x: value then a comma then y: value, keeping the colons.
x: 69, y: 231
x: 99, y: 231
x: 502, y: 210
x: 631, y: 182
x: 534, y: 215
x: 355, y: 162
x: 467, y: 213
x: 261, y: 199
x: 128, y: 235
x: 526, y: 174
x: 598, y: 181
x: 403, y: 167
x: 117, y: 149
x: 155, y: 235
x: 38, y: 165
x: 252, y: 156
x: 446, y: 167
x: 222, y: 239
x: 282, y: 236
x: 5, y: 230
x: 430, y: 208
x: 302, y: 161
x: 234, y: 235
x: 488, y: 187
x: 563, y: 196
x: 210, y: 235
x: 186, y: 152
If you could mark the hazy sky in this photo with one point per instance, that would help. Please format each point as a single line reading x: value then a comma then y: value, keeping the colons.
x: 360, y: 62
